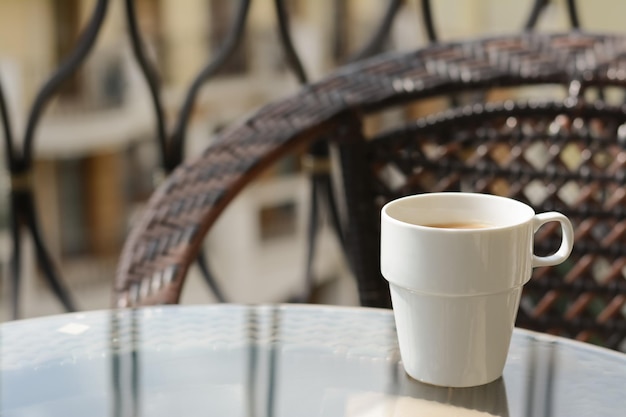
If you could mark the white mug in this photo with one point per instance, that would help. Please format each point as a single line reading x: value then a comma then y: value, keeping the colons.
x: 456, y: 264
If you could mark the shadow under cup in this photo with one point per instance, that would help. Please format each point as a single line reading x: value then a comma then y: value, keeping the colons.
x: 456, y: 289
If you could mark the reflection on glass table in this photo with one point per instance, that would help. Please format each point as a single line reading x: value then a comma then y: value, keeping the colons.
x: 230, y: 360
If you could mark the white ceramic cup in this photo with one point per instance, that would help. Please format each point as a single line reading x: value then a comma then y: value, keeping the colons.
x: 456, y: 291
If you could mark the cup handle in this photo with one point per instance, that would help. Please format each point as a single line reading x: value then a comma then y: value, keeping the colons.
x: 567, y: 241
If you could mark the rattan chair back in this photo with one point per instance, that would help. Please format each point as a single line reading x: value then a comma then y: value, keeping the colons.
x: 533, y: 116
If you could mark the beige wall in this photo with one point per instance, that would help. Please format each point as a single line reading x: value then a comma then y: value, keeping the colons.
x: 26, y: 43
x: 458, y: 19
x: 114, y: 26
x: 185, y: 33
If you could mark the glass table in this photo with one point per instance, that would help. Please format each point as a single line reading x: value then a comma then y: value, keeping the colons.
x: 232, y: 360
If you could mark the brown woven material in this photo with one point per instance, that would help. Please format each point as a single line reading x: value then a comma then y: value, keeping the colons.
x: 564, y: 152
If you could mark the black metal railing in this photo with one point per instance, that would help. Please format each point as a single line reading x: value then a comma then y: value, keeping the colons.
x: 19, y: 163
x: 171, y: 141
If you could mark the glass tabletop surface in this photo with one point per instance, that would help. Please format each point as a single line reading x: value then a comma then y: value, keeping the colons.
x: 286, y: 360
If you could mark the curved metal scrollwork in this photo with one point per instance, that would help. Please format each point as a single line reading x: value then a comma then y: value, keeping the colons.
x: 319, y: 154
x: 429, y: 25
x: 540, y: 5
x: 535, y: 12
x: 65, y: 70
x: 291, y: 55
x: 19, y: 155
x: 381, y: 34
x: 7, y: 129
x: 172, y: 145
x: 22, y: 201
x: 152, y: 79
x: 231, y: 42
x: 572, y: 12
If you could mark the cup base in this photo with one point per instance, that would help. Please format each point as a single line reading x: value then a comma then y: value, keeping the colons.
x: 443, y: 384
x: 454, y: 341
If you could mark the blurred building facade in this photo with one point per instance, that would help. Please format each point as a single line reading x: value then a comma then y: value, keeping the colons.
x: 96, y: 152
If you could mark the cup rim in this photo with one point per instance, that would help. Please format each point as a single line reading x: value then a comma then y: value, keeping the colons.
x: 530, y: 212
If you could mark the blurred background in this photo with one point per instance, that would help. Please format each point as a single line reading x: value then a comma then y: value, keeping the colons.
x: 96, y: 157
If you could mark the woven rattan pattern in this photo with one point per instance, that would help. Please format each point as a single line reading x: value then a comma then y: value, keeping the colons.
x: 536, y: 154
x: 165, y: 240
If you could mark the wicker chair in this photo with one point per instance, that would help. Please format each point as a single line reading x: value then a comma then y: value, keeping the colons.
x: 563, y: 151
